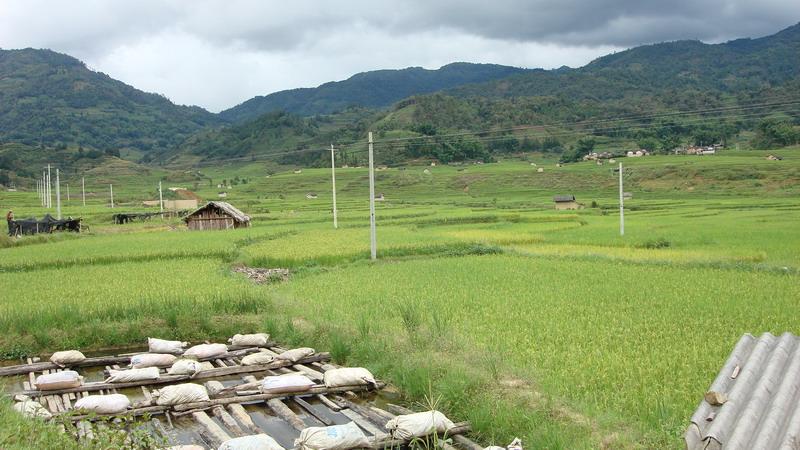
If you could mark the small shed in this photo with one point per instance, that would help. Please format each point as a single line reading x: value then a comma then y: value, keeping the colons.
x: 753, y: 401
x: 217, y: 216
x: 565, y: 202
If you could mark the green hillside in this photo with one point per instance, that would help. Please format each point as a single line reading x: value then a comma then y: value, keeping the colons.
x: 49, y: 98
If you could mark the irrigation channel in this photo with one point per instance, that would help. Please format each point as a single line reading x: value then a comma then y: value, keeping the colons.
x: 235, y: 408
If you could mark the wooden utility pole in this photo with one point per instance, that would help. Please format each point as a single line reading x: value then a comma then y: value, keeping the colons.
x: 333, y: 183
x: 373, y: 241
x: 111, y: 189
x: 58, y: 196
x: 621, y: 205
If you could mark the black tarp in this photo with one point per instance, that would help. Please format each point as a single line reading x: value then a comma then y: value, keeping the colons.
x: 48, y: 224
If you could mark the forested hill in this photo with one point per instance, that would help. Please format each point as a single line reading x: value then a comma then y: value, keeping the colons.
x: 51, y: 99
x: 731, y: 67
x: 375, y: 89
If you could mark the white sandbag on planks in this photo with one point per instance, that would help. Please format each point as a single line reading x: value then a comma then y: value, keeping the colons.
x: 67, y: 358
x: 31, y: 408
x: 291, y: 382
x: 249, y: 340
x: 67, y: 379
x: 152, y: 360
x: 417, y: 425
x: 296, y: 354
x: 348, y: 376
x: 206, y: 351
x: 163, y: 346
x: 257, y: 358
x: 336, y: 437
x: 181, y: 393
x: 132, y: 375
x: 185, y: 367
x: 254, y: 442
x: 104, y: 404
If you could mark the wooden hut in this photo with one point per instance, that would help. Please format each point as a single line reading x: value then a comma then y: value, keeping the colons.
x: 565, y: 202
x: 217, y: 216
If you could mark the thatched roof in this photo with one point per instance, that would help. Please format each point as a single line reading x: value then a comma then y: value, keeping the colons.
x: 753, y: 402
x: 224, y: 206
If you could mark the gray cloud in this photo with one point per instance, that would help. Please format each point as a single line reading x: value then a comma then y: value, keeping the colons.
x: 217, y: 53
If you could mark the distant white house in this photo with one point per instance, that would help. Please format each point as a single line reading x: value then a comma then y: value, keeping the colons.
x: 311, y: 195
x: 222, y: 195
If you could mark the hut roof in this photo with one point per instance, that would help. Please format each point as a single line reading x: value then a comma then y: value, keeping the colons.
x: 761, y: 380
x: 564, y: 198
x: 225, y: 206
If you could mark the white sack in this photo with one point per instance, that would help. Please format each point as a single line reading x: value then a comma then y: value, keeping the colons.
x: 32, y: 409
x: 185, y: 367
x: 348, y: 376
x: 181, y: 393
x: 152, y: 360
x: 58, y: 380
x: 132, y: 375
x: 162, y: 346
x: 336, y: 437
x: 254, y: 359
x: 296, y: 354
x: 255, y: 442
x: 286, y: 383
x: 104, y: 404
x: 416, y: 425
x: 206, y: 351
x: 66, y: 358
x: 249, y: 340
x: 185, y: 447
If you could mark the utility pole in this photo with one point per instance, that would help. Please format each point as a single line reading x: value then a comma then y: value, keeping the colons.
x: 160, y: 198
x: 111, y: 189
x: 621, y: 205
x: 49, y: 189
x: 83, y: 190
x: 58, y: 196
x: 333, y: 183
x: 373, y: 242
x: 67, y: 192
x: 41, y: 190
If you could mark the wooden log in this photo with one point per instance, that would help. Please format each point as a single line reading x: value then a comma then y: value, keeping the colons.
x: 329, y: 403
x: 374, y: 417
x: 365, y: 424
x: 146, y: 410
x: 265, y: 397
x: 310, y: 409
x: 240, y: 414
x: 214, y: 431
x: 227, y: 420
x: 283, y: 411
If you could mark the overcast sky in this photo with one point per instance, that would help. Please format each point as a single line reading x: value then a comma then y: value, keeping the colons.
x: 217, y: 54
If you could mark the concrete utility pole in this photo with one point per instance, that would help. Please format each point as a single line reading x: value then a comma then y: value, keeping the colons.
x: 67, y: 192
x: 42, y: 190
x: 111, y: 189
x: 49, y: 188
x: 373, y: 241
x: 160, y: 197
x: 621, y: 205
x: 83, y: 190
x: 333, y: 183
x: 58, y: 196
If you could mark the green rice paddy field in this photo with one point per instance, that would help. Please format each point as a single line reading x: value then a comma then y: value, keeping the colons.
x: 526, y: 321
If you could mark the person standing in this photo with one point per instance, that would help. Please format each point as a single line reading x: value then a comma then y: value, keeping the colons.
x: 11, y: 225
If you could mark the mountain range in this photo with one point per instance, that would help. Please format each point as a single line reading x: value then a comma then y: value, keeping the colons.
x: 51, y: 100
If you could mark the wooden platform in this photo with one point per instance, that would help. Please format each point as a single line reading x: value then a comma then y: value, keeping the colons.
x: 236, y: 407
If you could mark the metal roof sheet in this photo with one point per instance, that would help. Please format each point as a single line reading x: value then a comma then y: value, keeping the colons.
x: 227, y: 207
x: 761, y: 380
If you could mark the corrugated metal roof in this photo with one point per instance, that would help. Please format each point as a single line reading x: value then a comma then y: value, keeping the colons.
x: 564, y: 198
x: 761, y: 380
x: 228, y: 208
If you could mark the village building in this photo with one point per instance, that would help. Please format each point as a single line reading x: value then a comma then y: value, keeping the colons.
x: 311, y: 195
x: 637, y: 153
x: 217, y: 216
x: 564, y: 202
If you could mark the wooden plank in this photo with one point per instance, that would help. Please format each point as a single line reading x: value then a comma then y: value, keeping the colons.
x: 364, y: 424
x: 310, y: 409
x: 227, y: 420
x: 214, y: 431
x: 240, y: 414
x: 329, y: 403
x: 283, y: 411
